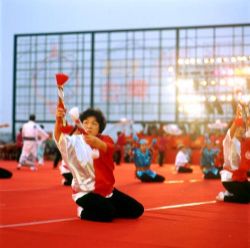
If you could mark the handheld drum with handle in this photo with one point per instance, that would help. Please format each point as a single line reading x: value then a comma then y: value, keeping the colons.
x: 61, y: 80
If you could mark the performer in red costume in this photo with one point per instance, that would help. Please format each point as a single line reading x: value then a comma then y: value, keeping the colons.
x: 236, y: 163
x: 93, y: 177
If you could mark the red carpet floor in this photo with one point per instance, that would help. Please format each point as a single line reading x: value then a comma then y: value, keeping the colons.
x: 37, y: 211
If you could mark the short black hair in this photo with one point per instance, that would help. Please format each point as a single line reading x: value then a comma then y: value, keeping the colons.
x: 97, y: 114
x: 32, y: 117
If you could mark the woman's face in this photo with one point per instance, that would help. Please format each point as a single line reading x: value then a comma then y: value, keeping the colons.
x: 91, y: 125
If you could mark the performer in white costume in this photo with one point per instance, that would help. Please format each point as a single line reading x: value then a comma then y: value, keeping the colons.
x: 181, y: 160
x: 30, y: 133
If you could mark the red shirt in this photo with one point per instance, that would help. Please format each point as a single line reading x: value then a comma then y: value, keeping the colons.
x: 245, y: 154
x: 19, y: 140
x: 162, y: 143
x: 104, y: 168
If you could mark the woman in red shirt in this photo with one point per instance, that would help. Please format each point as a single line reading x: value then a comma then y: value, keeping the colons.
x: 93, y: 181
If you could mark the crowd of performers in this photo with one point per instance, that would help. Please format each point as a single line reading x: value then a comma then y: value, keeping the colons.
x: 88, y: 161
x: 92, y: 178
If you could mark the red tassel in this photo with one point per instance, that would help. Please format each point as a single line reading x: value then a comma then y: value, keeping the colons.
x: 239, y: 122
x: 61, y: 79
x: 67, y: 129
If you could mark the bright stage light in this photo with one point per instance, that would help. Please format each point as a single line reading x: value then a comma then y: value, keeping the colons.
x: 230, y: 82
x: 245, y: 99
x: 185, y: 83
x: 199, y: 61
x: 219, y: 60
x: 233, y: 60
x: 180, y: 61
x: 247, y: 70
x: 206, y: 60
x: 222, y: 82
x: 225, y: 59
x: 170, y: 69
x: 193, y: 99
x: 229, y: 98
x: 180, y: 109
x: 212, y: 61
x: 203, y: 83
x: 123, y: 120
x: 193, y: 109
x: 212, y: 98
x: 192, y: 61
x: 222, y: 98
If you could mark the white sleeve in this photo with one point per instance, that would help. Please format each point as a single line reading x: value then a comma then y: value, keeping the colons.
x: 235, y: 154
x: 181, y: 159
x: 226, y: 148
x: 63, y: 144
x: 231, y: 151
x: 41, y: 133
x: 64, y: 168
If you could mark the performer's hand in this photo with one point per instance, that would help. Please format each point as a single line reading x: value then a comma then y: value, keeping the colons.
x: 239, y: 111
x: 91, y: 140
x: 95, y: 142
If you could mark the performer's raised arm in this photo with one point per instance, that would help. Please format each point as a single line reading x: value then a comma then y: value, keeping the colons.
x: 238, y: 122
x: 60, y: 115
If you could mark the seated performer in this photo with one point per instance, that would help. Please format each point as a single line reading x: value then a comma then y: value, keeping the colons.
x: 237, y: 163
x: 4, y: 174
x: 208, y: 161
x: 142, y: 160
x: 93, y: 179
x: 181, y: 160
